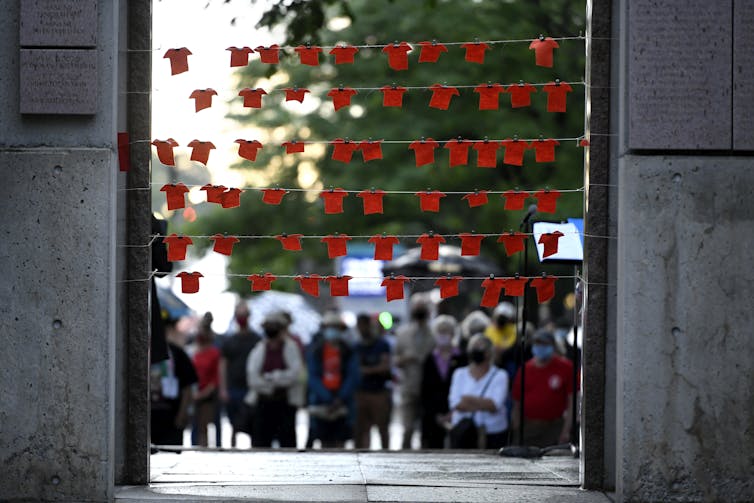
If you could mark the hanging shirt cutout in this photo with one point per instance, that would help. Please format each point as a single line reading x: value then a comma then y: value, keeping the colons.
x: 190, y: 281
x: 514, y: 199
x: 341, y: 97
x: 165, y: 151
x: 344, y: 54
x: 394, y: 287
x: 294, y: 147
x: 547, y: 200
x: 431, y: 51
x: 290, y: 242
x: 177, y: 247
x: 392, y: 96
x: 248, y: 149
x: 514, y: 287
x: 491, y: 294
x: 178, y: 60
x: 336, y: 245
x: 397, y: 55
x: 545, y: 288
x: 308, y: 55
x: 556, y: 96
x: 514, y: 151
x: 270, y: 55
x: 459, y: 152
x: 544, y: 150
x: 371, y: 150
x: 543, y: 50
x: 470, y: 244
x: 333, y: 200
x: 489, y: 96
x: 486, y: 153
x: 295, y: 94
x: 214, y: 193
x: 343, y: 150
x: 513, y: 242
x: 550, y: 242
x: 430, y: 201
x: 430, y: 246
x: 372, y: 201
x: 239, y: 56
x: 252, y: 98
x: 521, y: 95
x: 475, y: 52
x: 448, y: 286
x: 175, y: 195
x: 202, y: 98
x: 441, y: 96
x: 383, y: 246
x: 273, y: 196
x: 309, y: 284
x: 338, y: 285
x: 261, y: 282
x: 424, y: 151
x: 231, y: 198
x: 224, y: 244
x: 200, y: 150
x: 478, y: 198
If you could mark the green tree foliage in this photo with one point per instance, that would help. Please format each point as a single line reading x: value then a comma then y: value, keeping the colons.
x: 380, y: 22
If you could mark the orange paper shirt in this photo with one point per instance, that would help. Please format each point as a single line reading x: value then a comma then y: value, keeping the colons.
x: 470, y: 244
x: 269, y: 54
x: 475, y: 52
x: 202, y: 98
x: 489, y: 96
x: 224, y: 244
x: 252, y: 98
x: 372, y: 200
x: 231, y: 198
x: 394, y: 287
x: 491, y: 295
x: 338, y: 285
x: 550, y: 242
x: 486, y: 153
x: 430, y: 246
x: 200, y: 150
x: 431, y: 51
x: 308, y: 55
x: 214, y: 193
x: 239, y: 56
x: 397, y: 55
x: 295, y: 94
x: 178, y: 60
x: 547, y: 200
x: 459, y: 152
x: 514, y: 151
x: 177, y: 246
x: 478, y: 198
x: 333, y: 200
x: 556, y: 96
x: 544, y: 150
x: 344, y: 54
x: 448, y: 286
x: 392, y: 96
x: 309, y: 284
x: 165, y: 151
x: 248, y: 149
x: 545, y: 288
x: 543, y: 50
x: 175, y: 195
x: 383, y: 246
x: 343, y: 150
x: 273, y: 196
x: 514, y: 287
x: 424, y: 151
x: 261, y: 282
x: 514, y: 199
x: 190, y: 281
x: 371, y: 150
x: 294, y: 147
x: 513, y: 242
x: 341, y: 97
x: 521, y: 94
x: 336, y: 245
x: 430, y: 201
x: 290, y: 242
x: 441, y: 96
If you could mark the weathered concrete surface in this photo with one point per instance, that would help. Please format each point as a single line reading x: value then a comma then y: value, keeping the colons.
x: 56, y: 321
x: 685, y: 350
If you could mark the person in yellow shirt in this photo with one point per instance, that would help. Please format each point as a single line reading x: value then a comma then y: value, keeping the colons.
x: 502, y: 330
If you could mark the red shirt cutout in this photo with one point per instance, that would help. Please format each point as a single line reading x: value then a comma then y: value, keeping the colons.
x: 556, y: 96
x: 308, y: 55
x: 513, y: 242
x: 202, y: 98
x: 200, y: 150
x: 248, y: 149
x: 261, y: 282
x: 486, y: 153
x: 338, y: 285
x: 383, y: 246
x: 514, y: 151
x: 470, y: 244
x: 521, y: 94
x: 224, y: 244
x: 448, y: 286
x: 514, y: 199
x: 475, y: 52
x: 343, y: 150
x: 214, y: 193
x: 175, y: 195
x: 394, y: 289
x: 295, y: 94
x: 547, y: 200
x: 478, y: 198
x: 430, y: 52
x: 441, y: 96
x: 178, y: 60
x: 545, y: 288
x: 290, y: 242
x: 489, y: 96
x: 273, y: 196
x: 190, y: 281
x: 550, y: 240
x: 294, y: 147
x: 372, y: 200
x: 342, y: 97
x: 492, y: 288
x: 344, y: 54
x: 397, y: 55
x: 177, y: 247
x: 371, y: 150
x: 309, y: 284
x: 544, y: 150
x: 333, y: 200
x: 584, y: 142
x: 252, y: 98
x: 392, y: 96
x: 514, y: 287
x: 459, y: 152
x: 430, y: 246
x: 424, y: 151
x: 336, y: 245
x: 239, y: 56
x: 165, y: 151
x: 430, y: 201
x: 231, y: 198
x: 543, y: 51
x: 269, y: 54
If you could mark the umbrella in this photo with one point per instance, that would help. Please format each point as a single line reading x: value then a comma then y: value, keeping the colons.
x: 450, y: 261
x: 174, y: 306
x: 306, y: 319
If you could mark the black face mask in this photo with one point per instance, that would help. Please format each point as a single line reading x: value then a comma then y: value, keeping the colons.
x: 420, y: 315
x: 271, y: 332
x: 477, y: 355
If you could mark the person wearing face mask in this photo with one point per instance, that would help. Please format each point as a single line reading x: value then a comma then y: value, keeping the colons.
x: 478, y: 393
x: 413, y: 343
x: 233, y: 387
x: 333, y: 377
x: 436, y: 375
x: 547, y: 396
x: 373, y: 400
x: 206, y: 359
x: 273, y: 372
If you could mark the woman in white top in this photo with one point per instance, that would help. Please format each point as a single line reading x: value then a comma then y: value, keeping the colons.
x: 479, y: 391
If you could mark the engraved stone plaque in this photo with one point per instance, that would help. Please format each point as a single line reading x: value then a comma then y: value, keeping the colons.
x: 58, y: 81
x: 743, y: 76
x: 679, y: 74
x: 58, y: 23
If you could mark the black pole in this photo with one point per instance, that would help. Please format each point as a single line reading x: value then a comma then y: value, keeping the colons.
x: 522, y: 328
x: 576, y: 365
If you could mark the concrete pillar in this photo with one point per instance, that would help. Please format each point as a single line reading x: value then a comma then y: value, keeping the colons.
x: 685, y: 358
x: 57, y: 268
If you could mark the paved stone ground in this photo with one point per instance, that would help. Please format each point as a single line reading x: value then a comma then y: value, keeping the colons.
x: 438, y: 476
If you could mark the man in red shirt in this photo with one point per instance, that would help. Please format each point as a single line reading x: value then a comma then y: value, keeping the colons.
x: 547, y: 395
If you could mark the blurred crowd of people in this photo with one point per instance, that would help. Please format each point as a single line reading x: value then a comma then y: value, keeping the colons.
x: 446, y: 377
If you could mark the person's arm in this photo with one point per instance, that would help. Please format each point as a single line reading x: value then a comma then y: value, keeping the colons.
x: 352, y: 378
x: 383, y: 367
x: 565, y: 433
x: 287, y: 377
x: 454, y: 396
x: 314, y: 367
x: 181, y: 418
x: 222, y: 379
x: 254, y: 369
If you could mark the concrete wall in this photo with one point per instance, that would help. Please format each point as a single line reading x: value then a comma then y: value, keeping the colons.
x: 57, y: 293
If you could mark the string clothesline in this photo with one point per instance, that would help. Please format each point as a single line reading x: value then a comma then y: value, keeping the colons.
x: 399, y: 142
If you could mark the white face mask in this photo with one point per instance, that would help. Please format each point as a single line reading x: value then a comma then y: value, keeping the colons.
x: 443, y: 339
